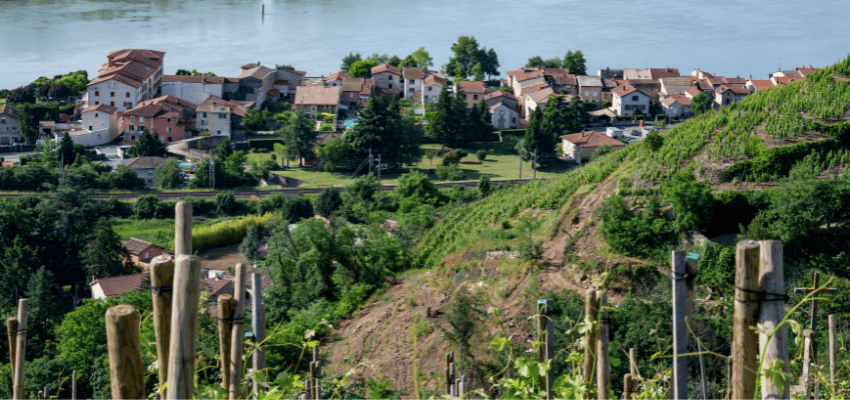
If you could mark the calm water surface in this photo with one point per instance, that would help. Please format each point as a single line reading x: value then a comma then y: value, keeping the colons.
x: 745, y: 37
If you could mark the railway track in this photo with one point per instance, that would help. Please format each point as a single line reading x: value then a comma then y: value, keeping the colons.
x: 248, y: 194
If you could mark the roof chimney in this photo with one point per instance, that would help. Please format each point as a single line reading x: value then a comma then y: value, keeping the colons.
x: 641, y: 124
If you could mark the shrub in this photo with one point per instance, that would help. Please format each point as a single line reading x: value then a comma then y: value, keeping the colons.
x: 265, y: 144
x: 510, y: 143
x: 224, y: 202
x: 450, y: 172
x: 484, y: 187
x: 450, y: 158
x: 327, y: 201
x: 461, y: 153
x: 481, y: 154
x: 227, y: 233
x: 326, y: 127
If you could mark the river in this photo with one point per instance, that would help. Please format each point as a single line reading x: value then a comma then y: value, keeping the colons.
x: 733, y: 38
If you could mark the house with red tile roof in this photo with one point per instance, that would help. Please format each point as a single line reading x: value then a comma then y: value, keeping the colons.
x: 522, y: 80
x: 675, y: 85
x: 414, y: 78
x: 100, y: 125
x: 629, y: 100
x: 388, y: 79
x: 498, y: 96
x: 170, y: 117
x: 472, y: 91
x: 336, y: 78
x: 356, y: 92
x: 218, y: 116
x: 692, y: 92
x: 10, y: 128
x: 127, y: 78
x: 590, y: 88
x: 504, y: 115
x: 432, y: 85
x: 580, y: 146
x: 318, y: 99
x: 754, y: 85
x: 101, y: 288
x: 676, y: 106
x: 781, y: 80
x: 196, y: 89
x: 726, y: 95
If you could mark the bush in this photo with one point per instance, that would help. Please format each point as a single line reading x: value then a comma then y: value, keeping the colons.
x: 481, y: 154
x: 484, y: 187
x: 450, y: 172
x: 510, y: 143
x: 265, y: 144
x: 227, y: 233
x: 450, y: 158
x: 327, y: 201
x: 224, y: 202
x: 326, y: 127
x: 511, y: 132
x: 461, y: 153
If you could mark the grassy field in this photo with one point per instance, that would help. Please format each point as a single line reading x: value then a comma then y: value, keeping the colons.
x: 157, y: 231
x: 499, y: 164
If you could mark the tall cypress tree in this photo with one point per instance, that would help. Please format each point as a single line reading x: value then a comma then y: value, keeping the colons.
x: 531, y: 140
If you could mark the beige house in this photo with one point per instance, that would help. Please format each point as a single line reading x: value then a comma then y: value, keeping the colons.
x: 524, y: 80
x: 537, y: 99
x: 10, y: 129
x: 504, y: 116
x: 101, y: 288
x: 498, y: 96
x: 432, y: 85
x: 318, y: 99
x: 336, y: 78
x: 726, y: 95
x: 580, y: 146
x: 754, y: 85
x: 676, y: 106
x: 219, y: 117
x: 472, y: 91
x: 388, y: 79
x: 590, y: 88
x: 128, y: 77
x: 100, y: 125
x: 414, y: 80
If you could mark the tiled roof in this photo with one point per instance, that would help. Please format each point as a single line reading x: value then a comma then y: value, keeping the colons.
x: 704, y: 84
x: 532, y: 89
x: 734, y: 81
x: 658, y: 73
x: 434, y: 79
x: 501, y: 103
x: 414, y: 73
x: 138, y: 163
x: 738, y: 90
x: 136, y: 246
x: 681, y: 99
x: 592, y: 139
x: 589, y: 80
x: 528, y: 75
x: 132, y: 69
x: 566, y: 79
x: 215, y: 80
x: 760, y: 84
x: 5, y: 109
x: 120, y: 284
x: 785, y: 79
x: 555, y: 71
x: 337, y: 76
x: 302, y: 73
x: 806, y: 71
x: 132, y: 53
x: 385, y: 68
x: 540, y: 96
x: 625, y: 90
x: 523, y: 70
x: 353, y: 84
x: 214, y: 104
x: 217, y: 287
x: 499, y: 93
x: 170, y: 102
x: 318, y: 95
x: 472, y: 87
x: 258, y: 72
x: 100, y: 107
x: 120, y: 78
x: 693, y: 91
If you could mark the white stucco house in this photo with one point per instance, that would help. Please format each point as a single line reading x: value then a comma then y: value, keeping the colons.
x: 676, y: 106
x: 100, y: 125
x: 628, y: 100
x: 504, y: 116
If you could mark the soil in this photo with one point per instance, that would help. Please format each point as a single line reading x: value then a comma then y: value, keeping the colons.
x: 222, y: 257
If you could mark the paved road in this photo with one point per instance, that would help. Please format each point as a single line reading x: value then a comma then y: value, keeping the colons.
x: 248, y: 194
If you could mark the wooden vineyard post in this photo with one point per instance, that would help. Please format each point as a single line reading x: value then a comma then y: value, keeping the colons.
x: 12, y: 332
x: 237, y: 335
x: 806, y: 377
x: 603, y: 370
x: 744, y: 337
x: 450, y: 376
x: 461, y: 386
x: 226, y: 307
x: 772, y: 285
x: 545, y: 335
x: 126, y: 372
x: 833, y: 352
x: 315, y: 373
x: 679, y: 385
x: 184, y: 327
x: 591, y: 312
x: 633, y: 363
x: 810, y: 353
x: 162, y: 280
x: 628, y: 387
x: 20, y: 350
x: 74, y: 385
x: 183, y: 228
x: 257, y: 324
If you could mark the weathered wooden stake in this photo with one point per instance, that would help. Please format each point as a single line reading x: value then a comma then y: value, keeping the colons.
x: 628, y: 387
x: 126, y: 372
x: 633, y: 363
x: 744, y: 337
x: 833, y: 351
x: 40, y: 395
x: 591, y: 312
x: 20, y: 350
x: 226, y: 307
x: 545, y: 335
x: 461, y: 390
x: 238, y: 332
x: 46, y: 393
x: 807, y: 375
x: 452, y: 386
x: 679, y: 385
x: 772, y: 313
x: 257, y: 324
x: 184, y: 327
x: 317, y: 385
x: 449, y: 372
x: 162, y: 281
x: 74, y: 385
x: 183, y: 228
x: 12, y: 332
x: 603, y: 370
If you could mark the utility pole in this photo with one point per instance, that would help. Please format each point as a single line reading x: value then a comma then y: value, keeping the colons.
x: 212, y: 172
x: 370, y: 160
x: 379, y: 168
x: 521, y: 151
x: 534, y: 164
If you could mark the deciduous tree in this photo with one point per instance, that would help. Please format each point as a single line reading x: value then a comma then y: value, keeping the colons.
x: 299, y: 136
x: 148, y: 145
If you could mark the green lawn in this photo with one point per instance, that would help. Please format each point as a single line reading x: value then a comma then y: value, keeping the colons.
x: 157, y: 231
x: 498, y: 165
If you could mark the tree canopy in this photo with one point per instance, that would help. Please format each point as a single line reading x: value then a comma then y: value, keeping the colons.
x: 362, y: 68
x: 539, y: 62
x: 467, y: 54
x: 700, y: 103
x: 299, y: 136
x: 575, y: 62
x: 148, y: 145
x: 381, y: 128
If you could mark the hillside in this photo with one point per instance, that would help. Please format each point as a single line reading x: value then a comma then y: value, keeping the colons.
x: 555, y: 228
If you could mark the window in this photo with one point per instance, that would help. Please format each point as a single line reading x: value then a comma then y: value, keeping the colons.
x: 169, y: 138
x: 112, y: 103
x: 168, y: 129
x: 727, y: 102
x: 127, y: 105
x: 390, y: 86
x: 132, y: 119
x: 97, y: 93
x: 111, y: 94
x: 513, y: 120
x: 133, y: 138
x: 96, y: 103
x: 205, y: 115
x: 586, y: 93
x: 429, y: 88
x: 411, y: 90
x: 634, y: 98
x: 411, y: 81
x: 380, y: 77
x: 595, y: 93
x: 90, y: 128
x: 218, y: 131
x: 132, y: 127
x: 95, y: 115
x: 475, y: 97
x: 222, y: 116
x: 141, y: 119
x: 168, y: 120
x: 128, y: 94
x: 203, y: 122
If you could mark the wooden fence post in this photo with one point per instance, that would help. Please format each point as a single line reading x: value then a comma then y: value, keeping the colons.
x: 126, y: 373
x: 183, y: 228
x: 20, y: 350
x: 545, y: 335
x: 317, y: 385
x: 744, y: 337
x: 772, y: 286
x: 237, y: 336
x: 591, y: 312
x: 628, y: 387
x: 74, y: 385
x: 679, y: 385
x: 226, y: 307
x: 184, y: 327
x: 603, y: 370
x: 12, y: 333
x: 162, y: 281
x: 633, y: 363
x: 257, y: 324
x: 833, y: 351
x: 808, y: 366
x: 449, y: 373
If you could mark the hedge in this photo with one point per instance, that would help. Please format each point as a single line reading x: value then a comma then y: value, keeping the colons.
x: 516, y: 132
x: 267, y: 144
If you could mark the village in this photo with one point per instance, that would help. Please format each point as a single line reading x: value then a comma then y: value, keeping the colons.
x: 132, y: 93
